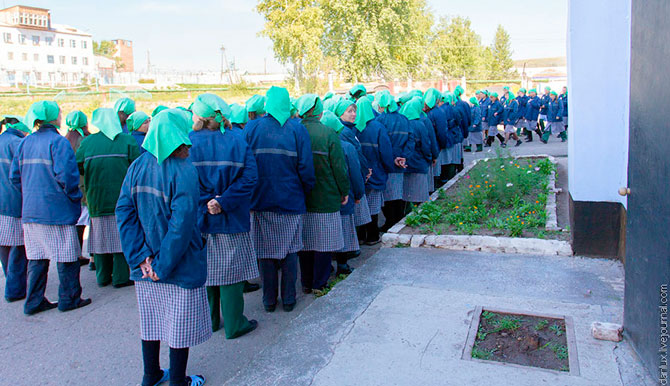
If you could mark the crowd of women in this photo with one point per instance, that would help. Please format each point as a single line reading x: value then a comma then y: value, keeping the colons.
x: 189, y: 204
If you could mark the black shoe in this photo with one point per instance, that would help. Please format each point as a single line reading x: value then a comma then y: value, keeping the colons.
x: 543, y: 141
x: 354, y: 254
x: 503, y: 145
x: 518, y: 143
x: 479, y: 149
x: 105, y: 284
x: 83, y: 261
x: 487, y: 145
x: 289, y: 307
x: 529, y: 139
x: 81, y: 303
x: 343, y: 269
x: 270, y: 308
x: 126, y: 284
x: 253, y: 324
x: 306, y: 290
x: 91, y: 266
x: 44, y: 306
x: 250, y: 287
x: 467, y: 149
x: 563, y: 139
x: 12, y: 300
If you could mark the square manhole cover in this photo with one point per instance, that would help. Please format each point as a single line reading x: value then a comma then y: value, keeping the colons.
x: 518, y: 338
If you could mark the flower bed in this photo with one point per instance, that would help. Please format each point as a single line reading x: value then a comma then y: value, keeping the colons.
x: 502, y: 196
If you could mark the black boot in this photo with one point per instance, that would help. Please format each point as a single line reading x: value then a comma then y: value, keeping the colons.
x: 373, y: 231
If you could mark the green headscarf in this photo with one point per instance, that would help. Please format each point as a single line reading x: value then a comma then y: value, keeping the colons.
x: 553, y: 93
x: 328, y: 95
x: 412, y: 109
x: 211, y: 106
x: 448, y: 97
x: 107, y: 121
x: 510, y: 97
x: 158, y: 109
x: 364, y: 113
x: 532, y: 90
x: 523, y: 90
x: 45, y: 111
x: 167, y: 131
x: 547, y: 88
x: 458, y: 91
x: 330, y: 120
x: 431, y: 97
x: 474, y: 101
x: 342, y: 106
x: 256, y: 104
x: 385, y: 100
x: 294, y: 108
x: 506, y: 88
x: 18, y: 125
x: 330, y: 104
x: 307, y: 102
x: 486, y: 92
x: 416, y: 93
x: 405, y: 97
x: 566, y: 90
x: 75, y: 120
x: 494, y: 94
x: 136, y: 119
x: 278, y: 104
x: 478, y: 92
x: 238, y: 114
x: 358, y: 91
x: 126, y: 105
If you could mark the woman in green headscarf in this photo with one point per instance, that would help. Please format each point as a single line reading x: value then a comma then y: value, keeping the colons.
x: 138, y: 124
x: 321, y: 225
x: 416, y: 184
x: 357, y: 92
x: 157, y: 217
x: 103, y: 159
x: 238, y: 116
x: 124, y: 107
x: 45, y: 169
x: 255, y: 107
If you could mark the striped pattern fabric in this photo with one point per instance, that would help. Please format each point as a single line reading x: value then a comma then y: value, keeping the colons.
x: 493, y: 130
x: 416, y: 187
x: 322, y: 232
x: 362, y: 212
x: 453, y: 154
x: 275, y: 235
x: 443, y: 158
x: 437, y: 169
x: 510, y: 129
x: 230, y: 259
x: 556, y: 127
x: 431, y: 180
x: 350, y: 237
x: 375, y: 201
x: 11, y: 231
x: 393, y: 187
x: 51, y: 242
x: 103, y: 237
x: 174, y: 315
x: 476, y: 138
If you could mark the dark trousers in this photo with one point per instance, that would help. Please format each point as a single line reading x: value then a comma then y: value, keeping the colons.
x: 372, y: 229
x: 15, y: 266
x: 228, y: 300
x: 152, y: 370
x: 111, y: 268
x: 69, y: 288
x: 393, y: 211
x: 490, y: 139
x: 315, y: 268
x: 547, y: 134
x: 270, y: 274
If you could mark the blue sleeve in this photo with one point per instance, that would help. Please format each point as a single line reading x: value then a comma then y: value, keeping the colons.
x: 408, y: 148
x: 65, y: 169
x: 426, y: 143
x: 243, y: 185
x: 385, y: 149
x: 15, y: 170
x: 131, y: 232
x: 560, y: 109
x: 440, y: 129
x: 305, y: 160
x: 476, y: 116
x: 515, y: 113
x: 183, y: 219
x: 434, y: 148
x: 357, y: 183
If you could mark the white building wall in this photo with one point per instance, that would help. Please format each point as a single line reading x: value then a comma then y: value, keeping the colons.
x: 598, y: 92
x: 45, y: 63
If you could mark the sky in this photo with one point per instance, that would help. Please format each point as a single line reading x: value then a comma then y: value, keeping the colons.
x: 187, y: 36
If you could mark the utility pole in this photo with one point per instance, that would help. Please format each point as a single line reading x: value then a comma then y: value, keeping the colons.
x: 148, y: 62
x: 225, y: 59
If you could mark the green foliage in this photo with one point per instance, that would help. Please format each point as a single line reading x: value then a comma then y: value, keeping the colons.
x: 507, y: 323
x: 104, y: 48
x: 331, y: 284
x: 487, y: 315
x: 556, y: 329
x: 501, y: 63
x: 479, y: 353
x: 456, y: 49
x: 546, y: 167
x: 560, y: 350
x: 541, y: 325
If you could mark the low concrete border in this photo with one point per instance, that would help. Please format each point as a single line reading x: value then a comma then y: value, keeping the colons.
x: 570, y: 338
x: 488, y: 243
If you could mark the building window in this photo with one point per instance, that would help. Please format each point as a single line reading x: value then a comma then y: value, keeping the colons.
x: 7, y: 37
x: 24, y: 56
x: 83, y: 44
x: 61, y: 42
x: 10, y: 56
x: 36, y: 40
x: 50, y: 59
x: 48, y: 41
x: 36, y: 57
x: 74, y: 60
x: 73, y: 43
x: 38, y: 76
x: 61, y: 59
x: 84, y: 61
x: 22, y: 38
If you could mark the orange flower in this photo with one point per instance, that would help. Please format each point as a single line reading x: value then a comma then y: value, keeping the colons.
x: 521, y: 222
x: 537, y: 202
x: 470, y: 185
x: 478, y: 186
x: 475, y: 207
x: 456, y: 207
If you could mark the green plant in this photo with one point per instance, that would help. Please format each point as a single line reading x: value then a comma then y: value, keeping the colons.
x: 541, y: 325
x: 401, y: 245
x: 487, y: 315
x: 546, y: 166
x: 556, y: 329
x: 479, y: 353
x: 331, y: 284
x: 507, y: 323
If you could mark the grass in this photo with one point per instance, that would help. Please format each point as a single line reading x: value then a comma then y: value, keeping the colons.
x: 503, y: 196
x: 541, y: 325
x: 331, y: 284
x: 479, y: 353
x: 556, y: 329
x: 560, y: 350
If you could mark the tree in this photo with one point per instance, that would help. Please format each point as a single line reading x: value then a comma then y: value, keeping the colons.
x: 456, y: 49
x: 376, y: 37
x: 500, y: 66
x: 107, y: 49
x: 296, y: 28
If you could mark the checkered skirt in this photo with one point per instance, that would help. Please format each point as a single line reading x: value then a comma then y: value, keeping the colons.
x: 230, y: 259
x: 510, y: 129
x: 175, y: 315
x: 103, y: 237
x: 51, y: 242
x: 415, y: 187
x: 431, y: 180
x: 322, y: 232
x: 362, y: 212
x: 349, y: 234
x: 453, y: 154
x: 443, y: 158
x: 275, y: 235
x: 11, y: 231
x: 475, y: 138
x: 375, y: 201
x: 556, y: 127
x: 393, y: 187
